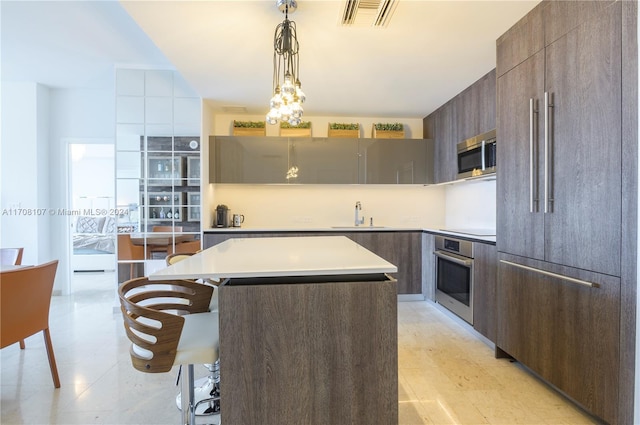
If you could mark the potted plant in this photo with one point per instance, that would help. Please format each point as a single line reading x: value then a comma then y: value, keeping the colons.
x: 249, y: 128
x: 301, y: 130
x: 344, y: 130
x: 388, y: 131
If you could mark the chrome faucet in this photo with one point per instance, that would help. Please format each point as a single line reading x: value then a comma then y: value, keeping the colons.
x: 359, y: 221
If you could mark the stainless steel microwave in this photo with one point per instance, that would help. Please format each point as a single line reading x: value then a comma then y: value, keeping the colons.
x: 477, y: 155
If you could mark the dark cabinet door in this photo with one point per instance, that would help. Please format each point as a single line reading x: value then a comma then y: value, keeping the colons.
x: 487, y: 103
x: 583, y: 81
x: 476, y: 108
x: 566, y: 332
x: 521, y: 41
x: 485, y: 276
x: 520, y: 224
x: 402, y: 249
x: 566, y: 208
x: 445, y: 156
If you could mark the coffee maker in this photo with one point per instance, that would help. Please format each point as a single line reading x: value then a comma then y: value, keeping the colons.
x: 222, y: 216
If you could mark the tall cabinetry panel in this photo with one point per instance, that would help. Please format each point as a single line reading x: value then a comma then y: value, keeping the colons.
x: 560, y: 150
x: 583, y: 78
x: 157, y: 146
x: 559, y: 200
x: 517, y: 183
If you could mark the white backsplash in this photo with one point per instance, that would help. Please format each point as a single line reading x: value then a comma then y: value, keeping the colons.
x: 312, y: 206
x: 471, y: 204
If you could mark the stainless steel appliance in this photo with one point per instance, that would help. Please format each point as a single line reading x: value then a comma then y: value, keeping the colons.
x: 477, y: 155
x: 222, y: 216
x: 454, y: 275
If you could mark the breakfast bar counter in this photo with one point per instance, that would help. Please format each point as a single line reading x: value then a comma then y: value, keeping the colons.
x: 308, y: 330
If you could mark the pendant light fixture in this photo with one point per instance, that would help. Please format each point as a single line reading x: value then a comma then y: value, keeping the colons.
x: 286, y: 103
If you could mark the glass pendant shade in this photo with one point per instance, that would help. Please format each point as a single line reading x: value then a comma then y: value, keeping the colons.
x: 287, y: 96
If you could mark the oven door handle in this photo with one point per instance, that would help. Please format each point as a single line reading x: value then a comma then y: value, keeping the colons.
x: 456, y: 259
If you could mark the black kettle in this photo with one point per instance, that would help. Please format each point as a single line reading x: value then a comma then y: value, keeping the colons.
x: 222, y: 216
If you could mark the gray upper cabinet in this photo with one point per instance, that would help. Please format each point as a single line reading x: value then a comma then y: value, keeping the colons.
x: 392, y: 161
x: 318, y: 160
x: 248, y: 159
x: 323, y: 160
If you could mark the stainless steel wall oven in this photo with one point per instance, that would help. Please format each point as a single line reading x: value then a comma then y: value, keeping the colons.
x: 454, y: 275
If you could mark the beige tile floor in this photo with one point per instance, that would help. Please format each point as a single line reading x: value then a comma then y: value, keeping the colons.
x: 447, y: 375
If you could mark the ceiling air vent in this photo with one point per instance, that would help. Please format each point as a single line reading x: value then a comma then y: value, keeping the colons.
x: 234, y: 109
x: 370, y: 13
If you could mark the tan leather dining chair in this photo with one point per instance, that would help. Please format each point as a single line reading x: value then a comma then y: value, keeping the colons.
x: 25, y: 298
x: 168, y: 324
x: 164, y: 249
x: 127, y: 251
x: 12, y: 257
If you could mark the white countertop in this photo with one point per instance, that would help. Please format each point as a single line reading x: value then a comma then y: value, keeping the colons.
x: 280, y: 256
x: 438, y: 230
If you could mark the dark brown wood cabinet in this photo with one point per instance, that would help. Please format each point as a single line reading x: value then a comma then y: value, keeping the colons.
x: 470, y: 113
x: 559, y: 179
x: 303, y: 350
x: 402, y: 249
x: 566, y: 332
x: 559, y: 200
x: 444, y: 157
x: 520, y: 42
x: 485, y: 277
x: 476, y: 108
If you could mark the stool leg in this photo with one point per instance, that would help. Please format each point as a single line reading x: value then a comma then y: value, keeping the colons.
x: 192, y: 407
x: 187, y: 395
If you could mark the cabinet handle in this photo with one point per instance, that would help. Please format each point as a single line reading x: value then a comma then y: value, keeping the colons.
x: 548, y: 103
x: 554, y: 275
x: 456, y: 260
x: 532, y: 201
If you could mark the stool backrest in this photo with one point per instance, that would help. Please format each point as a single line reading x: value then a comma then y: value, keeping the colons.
x: 151, y: 312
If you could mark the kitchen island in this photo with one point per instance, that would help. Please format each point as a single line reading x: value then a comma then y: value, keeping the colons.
x: 308, y: 330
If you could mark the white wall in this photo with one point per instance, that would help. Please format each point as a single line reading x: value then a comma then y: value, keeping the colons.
x: 77, y: 116
x: 24, y: 175
x: 471, y: 205
x: 309, y: 206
